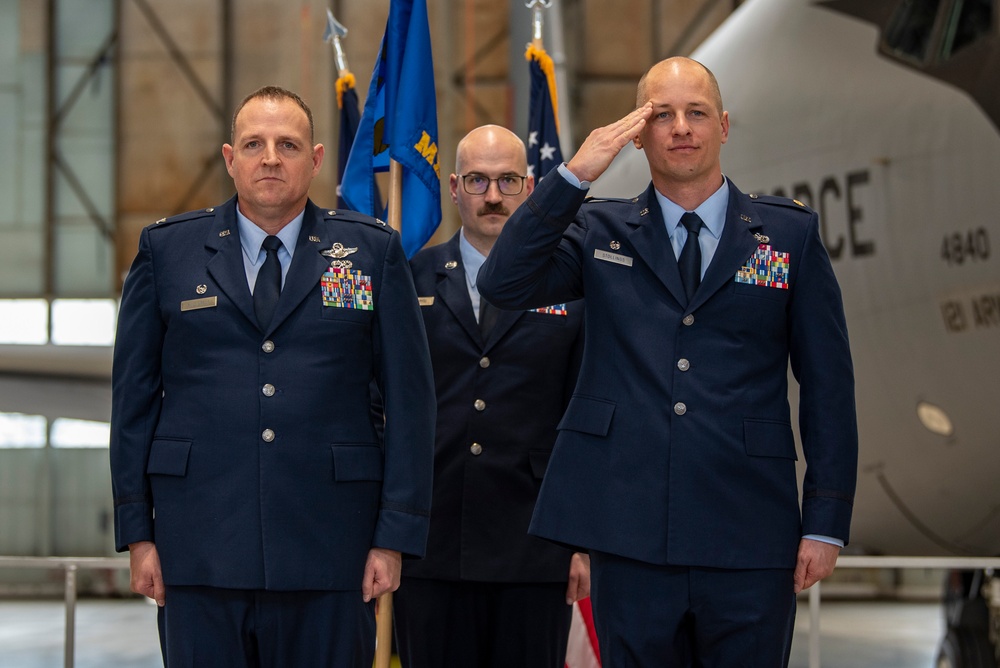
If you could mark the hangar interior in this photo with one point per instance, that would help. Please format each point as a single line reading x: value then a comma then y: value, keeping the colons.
x: 114, y: 112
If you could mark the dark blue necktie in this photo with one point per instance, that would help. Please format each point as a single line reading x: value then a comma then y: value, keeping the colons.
x: 267, y: 289
x: 690, y: 259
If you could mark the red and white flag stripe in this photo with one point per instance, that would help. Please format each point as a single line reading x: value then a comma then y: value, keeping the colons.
x: 582, y: 649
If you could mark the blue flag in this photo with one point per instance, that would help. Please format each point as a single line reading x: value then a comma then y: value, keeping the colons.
x: 350, y: 118
x: 400, y: 121
x: 543, y: 124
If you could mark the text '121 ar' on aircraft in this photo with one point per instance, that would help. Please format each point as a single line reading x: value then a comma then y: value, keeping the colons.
x: 884, y: 116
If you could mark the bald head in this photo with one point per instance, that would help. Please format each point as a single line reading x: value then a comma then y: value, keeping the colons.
x: 491, y: 140
x: 677, y: 65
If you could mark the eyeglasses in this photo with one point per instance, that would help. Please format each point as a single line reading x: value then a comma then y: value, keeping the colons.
x: 478, y: 184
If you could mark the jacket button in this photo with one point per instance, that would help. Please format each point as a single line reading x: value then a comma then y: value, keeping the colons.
x: 268, y: 390
x: 680, y: 408
x: 476, y: 449
x: 267, y: 435
x: 683, y: 364
x: 479, y: 405
x: 268, y: 346
x: 485, y: 362
x: 688, y: 320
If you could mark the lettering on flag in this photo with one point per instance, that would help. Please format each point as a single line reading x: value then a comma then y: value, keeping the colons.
x: 400, y: 122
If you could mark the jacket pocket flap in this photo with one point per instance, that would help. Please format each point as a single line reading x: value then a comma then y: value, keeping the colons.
x: 168, y: 457
x: 588, y: 415
x: 357, y: 462
x: 769, y: 438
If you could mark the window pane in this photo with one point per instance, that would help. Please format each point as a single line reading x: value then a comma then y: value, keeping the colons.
x: 910, y: 29
x: 22, y: 431
x: 970, y: 19
x: 83, y: 322
x: 70, y: 433
x: 24, y: 321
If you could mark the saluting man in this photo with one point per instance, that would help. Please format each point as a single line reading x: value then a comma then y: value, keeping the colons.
x: 258, y: 505
x: 675, y: 462
x: 488, y: 594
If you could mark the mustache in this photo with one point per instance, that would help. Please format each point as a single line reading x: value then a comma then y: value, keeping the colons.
x: 490, y: 209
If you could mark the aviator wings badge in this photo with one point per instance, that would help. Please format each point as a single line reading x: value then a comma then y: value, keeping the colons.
x: 336, y: 255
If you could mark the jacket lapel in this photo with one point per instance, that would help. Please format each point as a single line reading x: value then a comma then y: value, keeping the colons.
x: 307, y: 267
x: 226, y: 265
x: 650, y: 240
x: 453, y: 291
x: 735, y: 247
x: 505, y: 320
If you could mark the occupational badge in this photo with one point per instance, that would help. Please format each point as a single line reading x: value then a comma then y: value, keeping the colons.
x: 337, y: 254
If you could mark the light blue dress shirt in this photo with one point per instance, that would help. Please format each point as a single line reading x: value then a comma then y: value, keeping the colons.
x: 252, y: 240
x: 712, y: 212
x: 472, y: 260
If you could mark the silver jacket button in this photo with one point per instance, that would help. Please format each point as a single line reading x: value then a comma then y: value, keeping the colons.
x: 680, y: 408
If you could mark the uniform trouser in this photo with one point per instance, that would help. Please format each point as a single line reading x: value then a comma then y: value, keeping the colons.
x: 682, y: 617
x: 245, y: 628
x: 444, y: 624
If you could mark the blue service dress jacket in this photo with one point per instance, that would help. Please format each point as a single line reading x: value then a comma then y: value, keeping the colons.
x: 248, y: 455
x: 677, y: 446
x: 499, y: 399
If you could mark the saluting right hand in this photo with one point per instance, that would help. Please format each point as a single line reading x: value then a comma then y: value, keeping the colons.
x: 603, y: 144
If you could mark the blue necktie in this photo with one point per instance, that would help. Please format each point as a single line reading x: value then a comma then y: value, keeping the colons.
x: 267, y: 289
x: 690, y: 259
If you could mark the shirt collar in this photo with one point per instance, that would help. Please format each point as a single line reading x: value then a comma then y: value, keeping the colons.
x: 252, y: 237
x: 712, y: 211
x: 472, y: 259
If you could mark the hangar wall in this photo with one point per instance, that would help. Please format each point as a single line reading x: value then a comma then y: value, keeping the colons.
x: 114, y: 112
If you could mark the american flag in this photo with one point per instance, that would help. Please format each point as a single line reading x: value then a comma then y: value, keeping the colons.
x: 544, y: 152
x: 582, y: 651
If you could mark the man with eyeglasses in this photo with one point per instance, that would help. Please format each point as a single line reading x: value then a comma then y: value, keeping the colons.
x: 486, y: 593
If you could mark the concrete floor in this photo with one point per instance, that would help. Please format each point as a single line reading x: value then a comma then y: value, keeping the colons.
x: 123, y: 634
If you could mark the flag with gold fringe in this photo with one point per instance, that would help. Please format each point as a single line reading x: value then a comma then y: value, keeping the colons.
x: 544, y: 151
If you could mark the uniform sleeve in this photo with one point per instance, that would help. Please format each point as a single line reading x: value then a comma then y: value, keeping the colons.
x: 406, y: 386
x: 537, y: 259
x: 136, y: 398
x: 821, y: 362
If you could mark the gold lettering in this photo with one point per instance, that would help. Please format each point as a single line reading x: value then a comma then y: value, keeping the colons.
x: 429, y: 150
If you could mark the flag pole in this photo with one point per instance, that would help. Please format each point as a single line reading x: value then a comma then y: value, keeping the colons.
x: 383, y: 631
x: 537, y: 22
x: 383, y: 618
x: 395, y: 208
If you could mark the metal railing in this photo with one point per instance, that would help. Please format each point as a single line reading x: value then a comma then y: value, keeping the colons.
x: 942, y: 563
x: 72, y: 565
